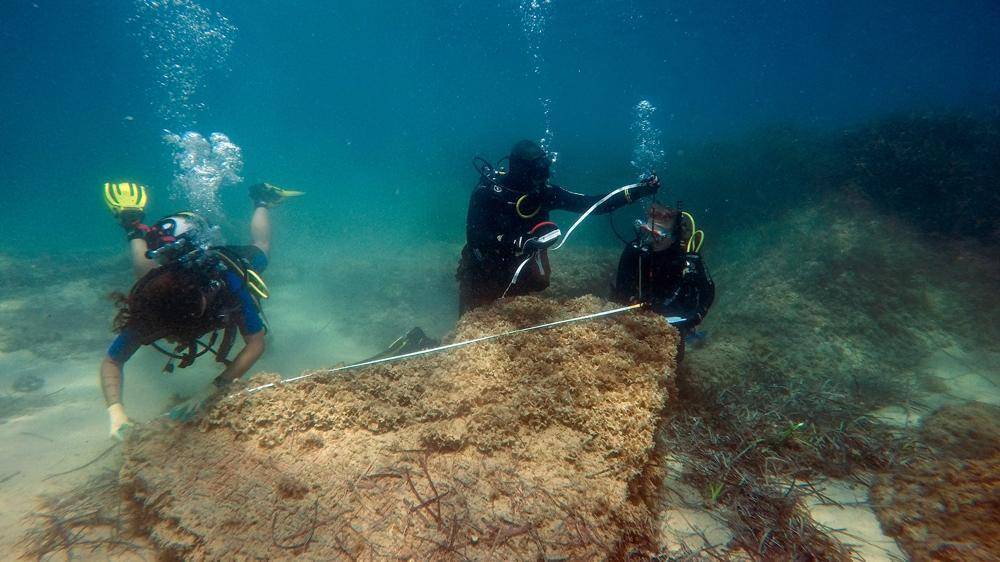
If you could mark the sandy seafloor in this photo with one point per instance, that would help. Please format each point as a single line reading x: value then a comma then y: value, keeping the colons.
x: 325, y: 309
x: 969, y: 376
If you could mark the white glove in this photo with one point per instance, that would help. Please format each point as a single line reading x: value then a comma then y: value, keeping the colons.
x: 120, y: 423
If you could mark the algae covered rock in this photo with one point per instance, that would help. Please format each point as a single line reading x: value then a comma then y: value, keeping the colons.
x: 533, y: 446
x: 945, y: 507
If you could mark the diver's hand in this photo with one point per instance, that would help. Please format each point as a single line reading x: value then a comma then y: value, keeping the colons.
x: 188, y: 409
x: 646, y: 187
x: 532, y: 245
x: 120, y: 424
x: 542, y: 236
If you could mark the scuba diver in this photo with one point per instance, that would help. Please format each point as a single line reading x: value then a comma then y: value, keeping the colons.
x: 188, y: 287
x: 664, y: 269
x: 508, y: 230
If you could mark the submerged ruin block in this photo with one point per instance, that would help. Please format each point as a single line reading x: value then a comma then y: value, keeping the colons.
x: 944, y: 506
x: 537, y: 446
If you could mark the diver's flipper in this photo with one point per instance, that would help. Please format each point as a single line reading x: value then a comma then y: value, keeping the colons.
x: 126, y: 200
x: 414, y: 340
x: 267, y: 195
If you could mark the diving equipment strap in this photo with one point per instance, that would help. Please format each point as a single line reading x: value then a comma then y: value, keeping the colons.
x: 254, y: 282
x: 446, y: 347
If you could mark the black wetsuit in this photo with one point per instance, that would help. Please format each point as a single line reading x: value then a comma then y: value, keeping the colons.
x: 674, y: 282
x: 495, y: 229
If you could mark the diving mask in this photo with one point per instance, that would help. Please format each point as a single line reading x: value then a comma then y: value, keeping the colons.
x: 657, y: 232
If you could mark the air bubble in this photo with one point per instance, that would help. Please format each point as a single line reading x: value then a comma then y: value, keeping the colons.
x: 534, y: 18
x: 184, y: 42
x: 204, y: 166
x: 647, y: 152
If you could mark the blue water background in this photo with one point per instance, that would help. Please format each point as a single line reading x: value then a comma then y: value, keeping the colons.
x: 377, y: 108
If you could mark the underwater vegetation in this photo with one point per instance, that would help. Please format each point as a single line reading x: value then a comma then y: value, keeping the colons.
x: 828, y: 310
x: 939, y: 170
x: 850, y: 364
x: 944, y: 506
x: 810, y: 337
x: 85, y: 520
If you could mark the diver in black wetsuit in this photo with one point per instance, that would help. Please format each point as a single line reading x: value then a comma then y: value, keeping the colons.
x: 508, y: 222
x: 663, y: 268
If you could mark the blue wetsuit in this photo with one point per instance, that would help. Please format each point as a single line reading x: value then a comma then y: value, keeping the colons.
x: 250, y: 321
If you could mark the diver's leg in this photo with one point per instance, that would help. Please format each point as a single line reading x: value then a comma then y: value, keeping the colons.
x: 260, y: 229
x: 141, y: 265
x: 465, y: 297
x: 477, y: 284
x: 111, y: 385
x: 535, y: 277
x: 127, y: 203
x: 265, y: 196
x: 474, y: 293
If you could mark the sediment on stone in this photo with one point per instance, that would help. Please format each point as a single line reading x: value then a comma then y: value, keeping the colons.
x: 535, y: 446
x: 944, y: 506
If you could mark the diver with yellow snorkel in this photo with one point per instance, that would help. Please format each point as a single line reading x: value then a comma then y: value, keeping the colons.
x: 188, y: 287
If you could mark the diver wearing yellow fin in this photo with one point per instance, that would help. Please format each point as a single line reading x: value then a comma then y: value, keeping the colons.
x: 127, y: 202
x: 268, y: 196
x: 188, y: 288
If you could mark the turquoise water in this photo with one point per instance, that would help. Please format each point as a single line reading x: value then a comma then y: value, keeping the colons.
x: 377, y: 109
x: 832, y: 151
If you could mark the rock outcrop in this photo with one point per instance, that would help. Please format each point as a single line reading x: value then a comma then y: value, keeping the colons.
x: 945, y: 507
x: 537, y: 446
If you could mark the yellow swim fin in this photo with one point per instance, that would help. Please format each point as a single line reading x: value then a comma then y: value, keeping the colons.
x: 126, y: 200
x: 267, y: 195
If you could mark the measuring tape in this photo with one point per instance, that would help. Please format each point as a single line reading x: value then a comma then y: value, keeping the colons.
x: 440, y: 348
